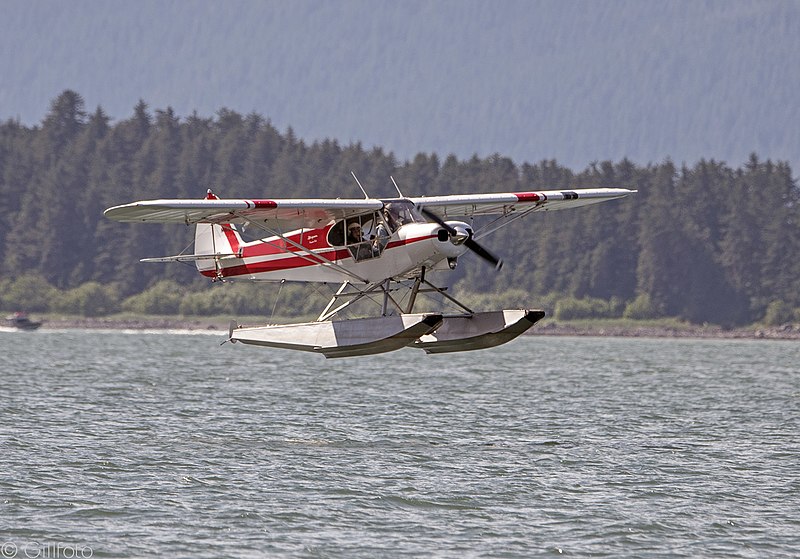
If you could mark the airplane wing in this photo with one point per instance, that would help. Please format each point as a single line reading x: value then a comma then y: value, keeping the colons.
x: 290, y: 214
x: 510, y: 203
x: 287, y: 214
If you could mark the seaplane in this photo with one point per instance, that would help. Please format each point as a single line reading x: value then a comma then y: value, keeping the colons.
x: 383, y: 249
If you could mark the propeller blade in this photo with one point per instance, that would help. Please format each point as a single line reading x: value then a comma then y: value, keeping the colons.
x: 469, y: 243
x: 435, y: 218
x: 483, y: 253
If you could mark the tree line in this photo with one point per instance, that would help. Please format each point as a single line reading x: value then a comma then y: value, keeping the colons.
x: 704, y: 243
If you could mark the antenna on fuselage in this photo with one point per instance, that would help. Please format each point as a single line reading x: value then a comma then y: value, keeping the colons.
x: 366, y: 196
x: 396, y: 187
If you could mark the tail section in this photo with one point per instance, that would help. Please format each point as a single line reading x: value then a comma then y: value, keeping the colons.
x: 214, y: 240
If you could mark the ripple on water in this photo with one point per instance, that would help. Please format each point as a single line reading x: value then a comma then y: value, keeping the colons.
x: 168, y: 444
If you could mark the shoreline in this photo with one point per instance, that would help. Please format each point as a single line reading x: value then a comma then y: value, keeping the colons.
x: 545, y: 328
x: 784, y: 332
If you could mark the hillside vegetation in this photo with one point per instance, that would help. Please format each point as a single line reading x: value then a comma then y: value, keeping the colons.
x: 704, y: 243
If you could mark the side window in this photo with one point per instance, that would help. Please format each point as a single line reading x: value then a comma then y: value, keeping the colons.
x: 365, y: 235
x: 336, y: 234
x: 352, y: 230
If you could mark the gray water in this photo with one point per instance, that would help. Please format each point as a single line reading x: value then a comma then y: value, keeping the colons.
x: 118, y: 444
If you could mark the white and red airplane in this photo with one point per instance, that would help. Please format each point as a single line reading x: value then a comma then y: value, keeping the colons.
x: 372, y: 247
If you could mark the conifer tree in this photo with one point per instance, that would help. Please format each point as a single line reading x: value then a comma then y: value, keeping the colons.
x: 705, y: 243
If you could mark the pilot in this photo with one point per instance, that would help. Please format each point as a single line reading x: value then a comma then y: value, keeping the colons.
x: 360, y: 249
x: 354, y: 233
x: 383, y: 231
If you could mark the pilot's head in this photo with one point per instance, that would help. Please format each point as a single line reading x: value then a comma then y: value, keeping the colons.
x: 354, y: 229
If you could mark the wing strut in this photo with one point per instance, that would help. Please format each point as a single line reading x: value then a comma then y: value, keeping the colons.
x: 360, y: 294
x: 446, y: 295
x: 324, y: 314
x: 414, y: 290
x: 384, y: 285
x: 491, y: 227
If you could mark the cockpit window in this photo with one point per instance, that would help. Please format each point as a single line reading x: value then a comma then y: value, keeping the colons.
x: 365, y: 235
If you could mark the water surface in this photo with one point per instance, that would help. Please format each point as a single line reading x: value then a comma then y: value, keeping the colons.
x: 137, y: 444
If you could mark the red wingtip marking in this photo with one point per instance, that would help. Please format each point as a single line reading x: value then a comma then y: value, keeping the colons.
x: 528, y: 197
x: 265, y: 204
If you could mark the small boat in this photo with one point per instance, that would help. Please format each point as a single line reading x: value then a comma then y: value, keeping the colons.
x: 21, y: 321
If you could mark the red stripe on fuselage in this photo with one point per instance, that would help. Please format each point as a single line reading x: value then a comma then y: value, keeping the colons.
x: 293, y: 262
x: 277, y: 264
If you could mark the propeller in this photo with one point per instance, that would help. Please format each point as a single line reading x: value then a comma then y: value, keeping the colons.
x: 456, y: 237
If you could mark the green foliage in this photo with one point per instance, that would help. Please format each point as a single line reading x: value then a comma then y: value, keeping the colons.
x: 30, y: 293
x: 236, y: 298
x: 691, y: 244
x: 641, y: 308
x: 779, y: 312
x: 163, y: 298
x: 572, y: 308
x: 509, y: 299
x: 89, y: 299
x: 204, y: 303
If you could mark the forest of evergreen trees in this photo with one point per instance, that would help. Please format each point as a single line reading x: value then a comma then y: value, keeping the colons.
x: 704, y: 243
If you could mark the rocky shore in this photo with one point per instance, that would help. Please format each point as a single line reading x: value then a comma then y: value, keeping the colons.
x: 546, y: 328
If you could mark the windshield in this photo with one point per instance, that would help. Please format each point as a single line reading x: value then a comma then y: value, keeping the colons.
x: 402, y: 212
